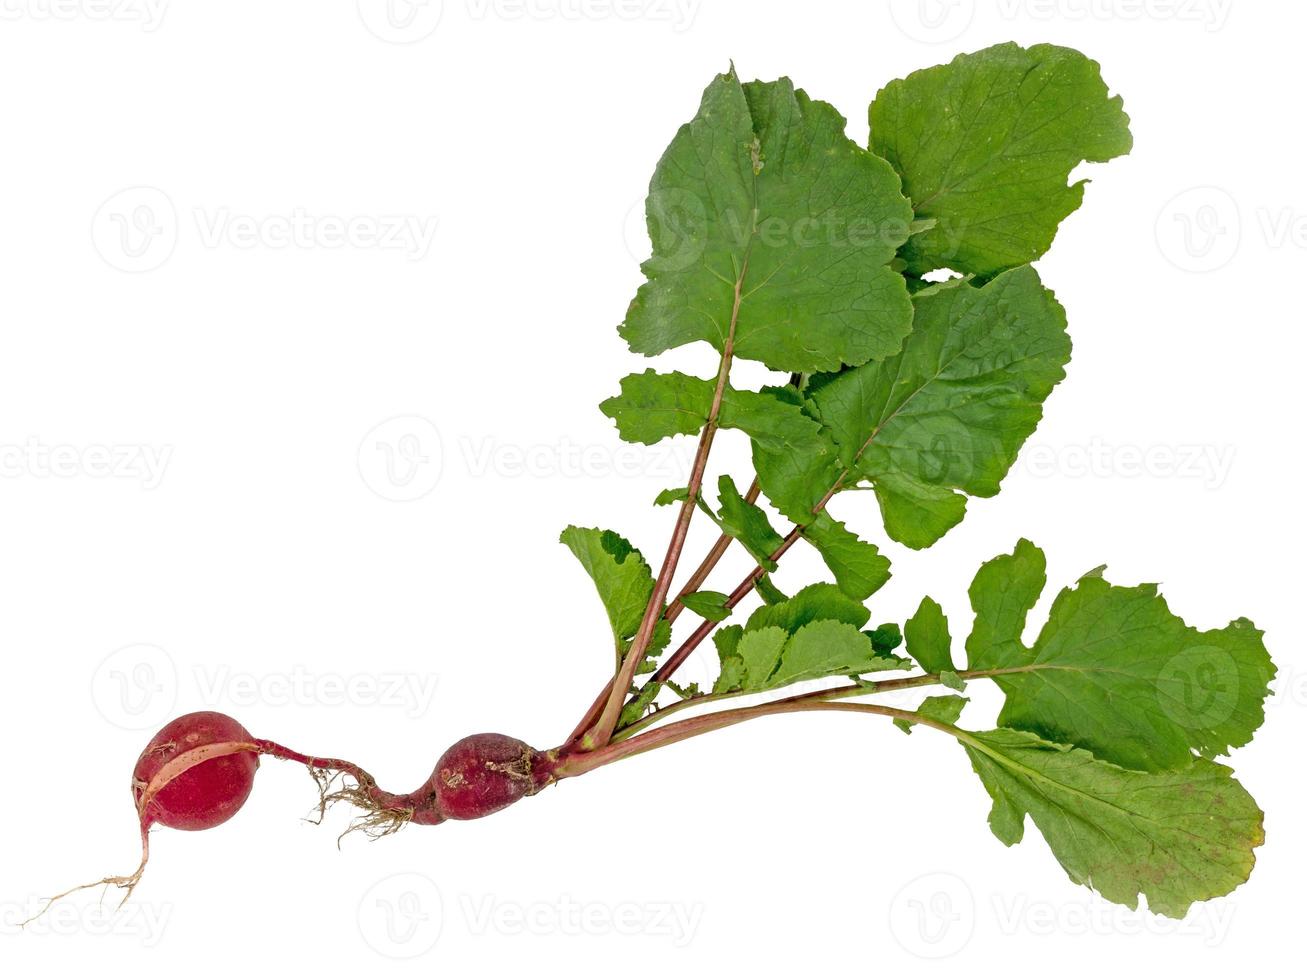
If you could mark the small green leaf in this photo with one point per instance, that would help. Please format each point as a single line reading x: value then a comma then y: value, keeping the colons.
x: 820, y: 601
x: 928, y: 640
x: 1146, y: 690
x: 674, y: 496
x: 826, y: 648
x: 619, y: 572
x: 939, y: 707
x: 1176, y: 837
x: 887, y: 638
x: 952, y: 681
x: 985, y: 145
x: 768, y: 592
x: 761, y: 649
x: 639, y: 706
x: 731, y: 678
x: 709, y: 605
x: 747, y: 523
x: 859, y: 568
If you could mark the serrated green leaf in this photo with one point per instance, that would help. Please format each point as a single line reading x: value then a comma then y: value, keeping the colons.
x: 826, y: 648
x: 928, y: 639
x: 760, y: 650
x: 639, y: 706
x: 675, y: 495
x: 859, y: 567
x: 732, y: 674
x: 985, y: 145
x: 708, y: 604
x: 886, y: 638
x: 653, y: 406
x: 1176, y: 837
x: 620, y: 574
x: 1114, y: 670
x: 765, y: 657
x: 940, y: 707
x: 814, y: 602
x: 747, y: 523
x: 763, y: 198
x: 948, y: 415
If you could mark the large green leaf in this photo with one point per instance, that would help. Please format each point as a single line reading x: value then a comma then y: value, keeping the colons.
x: 985, y: 145
x: 1176, y: 837
x: 947, y: 416
x: 1114, y: 670
x: 763, y: 212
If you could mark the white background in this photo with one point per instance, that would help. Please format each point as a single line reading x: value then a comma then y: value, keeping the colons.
x: 196, y: 509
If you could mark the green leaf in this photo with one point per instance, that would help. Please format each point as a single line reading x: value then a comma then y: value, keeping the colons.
x: 673, y: 496
x: 952, y: 681
x: 886, y: 638
x: 768, y: 592
x: 928, y: 640
x: 940, y: 707
x: 985, y: 145
x: 763, y: 198
x: 731, y: 678
x: 767, y: 657
x: 859, y: 567
x: 709, y: 605
x: 747, y: 523
x: 1176, y: 837
x: 639, y: 706
x: 827, y: 648
x: 620, y: 574
x: 653, y: 406
x: 1114, y: 670
x: 948, y: 415
x: 820, y: 601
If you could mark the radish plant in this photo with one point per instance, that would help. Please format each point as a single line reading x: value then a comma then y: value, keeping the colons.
x: 891, y: 292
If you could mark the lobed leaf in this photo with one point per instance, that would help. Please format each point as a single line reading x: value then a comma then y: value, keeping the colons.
x: 858, y: 566
x: 764, y: 212
x: 1175, y: 837
x: 1114, y: 670
x: 620, y: 574
x: 947, y: 416
x: 985, y: 145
